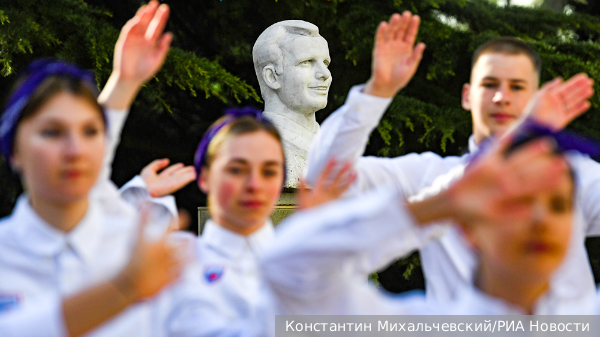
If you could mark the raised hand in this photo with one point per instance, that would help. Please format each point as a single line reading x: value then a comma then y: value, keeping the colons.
x: 499, y: 188
x: 395, y: 56
x: 139, y: 54
x: 329, y: 186
x: 169, y: 180
x: 558, y: 103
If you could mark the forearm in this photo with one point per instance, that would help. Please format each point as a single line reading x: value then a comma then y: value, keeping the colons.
x: 89, y: 309
x: 344, y: 135
x: 438, y: 207
x: 118, y: 93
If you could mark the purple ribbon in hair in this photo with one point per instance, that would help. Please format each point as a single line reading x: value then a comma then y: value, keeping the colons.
x: 35, y: 74
x: 231, y: 115
x: 564, y: 140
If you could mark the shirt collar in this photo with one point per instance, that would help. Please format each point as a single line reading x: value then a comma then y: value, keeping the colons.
x: 473, y: 147
x: 235, y: 245
x: 37, y: 236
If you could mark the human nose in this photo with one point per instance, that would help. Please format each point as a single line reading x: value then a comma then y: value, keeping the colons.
x: 253, y: 181
x: 539, y: 215
x: 322, y: 72
x: 74, y: 145
x: 501, y: 95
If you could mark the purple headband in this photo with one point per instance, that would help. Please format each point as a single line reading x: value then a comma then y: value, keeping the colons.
x: 564, y: 140
x: 34, y: 75
x: 230, y: 116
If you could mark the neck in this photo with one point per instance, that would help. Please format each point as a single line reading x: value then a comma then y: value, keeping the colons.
x: 519, y: 289
x: 62, y: 216
x: 306, y: 119
x: 245, y: 229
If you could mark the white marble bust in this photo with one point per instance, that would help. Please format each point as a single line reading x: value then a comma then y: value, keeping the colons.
x: 291, y: 62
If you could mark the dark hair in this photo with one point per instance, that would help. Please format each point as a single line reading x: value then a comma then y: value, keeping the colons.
x: 510, y: 46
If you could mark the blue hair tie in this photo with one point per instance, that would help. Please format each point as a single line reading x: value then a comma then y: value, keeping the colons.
x: 35, y: 74
x: 230, y: 115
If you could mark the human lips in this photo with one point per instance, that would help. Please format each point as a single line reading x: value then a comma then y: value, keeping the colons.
x: 73, y: 173
x: 252, y: 204
x: 540, y: 247
x: 502, y: 117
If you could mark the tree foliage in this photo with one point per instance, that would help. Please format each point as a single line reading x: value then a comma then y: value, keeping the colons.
x: 212, y: 58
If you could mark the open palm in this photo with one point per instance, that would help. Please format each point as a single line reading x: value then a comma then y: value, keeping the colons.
x: 395, y: 56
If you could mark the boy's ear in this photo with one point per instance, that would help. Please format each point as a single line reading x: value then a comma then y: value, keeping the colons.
x: 465, y: 102
x: 203, y: 180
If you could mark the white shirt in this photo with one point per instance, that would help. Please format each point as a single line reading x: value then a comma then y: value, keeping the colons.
x: 321, y: 258
x: 447, y: 264
x: 40, y: 265
x: 162, y: 209
x: 223, y: 294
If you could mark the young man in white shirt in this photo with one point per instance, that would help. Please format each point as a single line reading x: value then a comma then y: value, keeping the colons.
x: 505, y: 76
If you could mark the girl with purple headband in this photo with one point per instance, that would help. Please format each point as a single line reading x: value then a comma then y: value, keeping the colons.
x: 240, y: 166
x: 64, y: 250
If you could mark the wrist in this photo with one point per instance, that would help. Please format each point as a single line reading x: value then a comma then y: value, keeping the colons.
x: 373, y: 88
x: 119, y: 92
x: 125, y: 285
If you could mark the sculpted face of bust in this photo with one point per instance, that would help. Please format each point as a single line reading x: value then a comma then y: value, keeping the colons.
x: 305, y: 80
x: 291, y: 62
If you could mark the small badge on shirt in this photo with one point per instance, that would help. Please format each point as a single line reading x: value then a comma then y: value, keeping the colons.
x: 8, y: 301
x: 213, y: 273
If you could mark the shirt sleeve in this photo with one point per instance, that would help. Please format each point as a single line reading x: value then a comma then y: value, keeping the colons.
x: 587, y: 190
x: 46, y: 316
x: 135, y: 192
x: 344, y: 136
x: 320, y: 259
x: 116, y: 121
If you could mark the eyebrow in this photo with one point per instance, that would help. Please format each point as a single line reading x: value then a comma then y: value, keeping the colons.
x: 514, y: 80
x: 245, y: 162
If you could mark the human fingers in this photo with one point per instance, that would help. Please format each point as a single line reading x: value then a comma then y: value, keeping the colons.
x: 393, y: 25
x: 342, y: 179
x: 400, y: 32
x: 156, y: 165
x: 163, y: 47
x: 147, y: 15
x: 158, y: 23
x: 413, y: 30
x: 417, y: 54
x: 171, y: 169
x: 326, y: 174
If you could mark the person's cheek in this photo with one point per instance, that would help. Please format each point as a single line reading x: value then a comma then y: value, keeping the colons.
x: 226, y: 192
x: 273, y: 191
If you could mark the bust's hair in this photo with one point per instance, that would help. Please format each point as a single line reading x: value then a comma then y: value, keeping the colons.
x: 267, y: 48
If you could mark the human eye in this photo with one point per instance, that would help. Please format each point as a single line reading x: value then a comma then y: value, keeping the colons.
x: 91, y: 131
x: 327, y: 62
x: 517, y: 87
x: 558, y: 204
x: 269, y: 173
x: 235, y: 170
x: 50, y: 132
x: 489, y: 85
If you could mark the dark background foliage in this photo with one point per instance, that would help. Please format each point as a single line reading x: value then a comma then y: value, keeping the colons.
x: 210, y: 68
